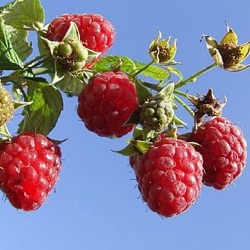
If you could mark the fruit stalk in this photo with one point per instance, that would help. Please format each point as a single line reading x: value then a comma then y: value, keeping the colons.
x: 194, y: 76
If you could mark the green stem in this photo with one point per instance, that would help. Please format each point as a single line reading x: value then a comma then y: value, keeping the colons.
x: 31, y: 64
x: 41, y: 70
x: 33, y: 60
x: 37, y: 63
x: 193, y: 77
x: 184, y: 105
x: 137, y: 72
x: 26, y: 99
x: 25, y: 96
x: 184, y: 94
x: 34, y: 63
x: 152, y: 86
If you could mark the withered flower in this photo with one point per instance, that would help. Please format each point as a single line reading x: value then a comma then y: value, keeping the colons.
x: 228, y: 54
x: 161, y: 51
x: 206, y: 105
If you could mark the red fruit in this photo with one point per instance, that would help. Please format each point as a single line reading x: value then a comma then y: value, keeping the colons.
x: 133, y: 160
x: 96, y: 32
x: 106, y: 103
x: 223, y: 148
x: 30, y: 164
x: 169, y: 176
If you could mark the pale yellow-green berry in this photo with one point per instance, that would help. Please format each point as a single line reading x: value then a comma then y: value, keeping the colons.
x: 6, y: 106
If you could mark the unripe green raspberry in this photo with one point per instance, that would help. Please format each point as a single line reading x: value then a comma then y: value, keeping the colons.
x: 156, y: 113
x: 71, y: 55
x: 64, y: 50
x: 6, y: 106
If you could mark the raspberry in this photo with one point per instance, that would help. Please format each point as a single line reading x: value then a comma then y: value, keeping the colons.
x: 133, y: 160
x: 96, y: 32
x: 223, y: 148
x: 30, y: 164
x: 169, y: 176
x: 6, y: 106
x: 156, y: 113
x: 106, y: 103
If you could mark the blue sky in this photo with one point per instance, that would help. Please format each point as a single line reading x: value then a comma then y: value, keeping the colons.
x: 96, y: 205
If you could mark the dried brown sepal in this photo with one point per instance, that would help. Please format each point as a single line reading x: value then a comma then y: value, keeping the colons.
x: 206, y: 105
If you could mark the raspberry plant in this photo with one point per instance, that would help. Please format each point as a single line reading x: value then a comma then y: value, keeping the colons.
x: 113, y: 99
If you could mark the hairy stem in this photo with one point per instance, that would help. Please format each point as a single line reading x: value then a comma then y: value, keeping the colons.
x: 184, y: 105
x: 194, y: 76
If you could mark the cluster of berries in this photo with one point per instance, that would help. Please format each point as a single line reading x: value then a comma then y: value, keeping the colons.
x: 30, y: 162
x: 171, y: 173
x: 170, y: 169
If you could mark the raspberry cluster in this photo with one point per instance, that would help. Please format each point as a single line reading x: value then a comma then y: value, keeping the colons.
x: 30, y: 162
x: 170, y: 174
x: 113, y: 100
x: 171, y: 170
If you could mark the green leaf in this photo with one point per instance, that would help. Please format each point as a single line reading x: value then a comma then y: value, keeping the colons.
x: 129, y: 66
x: 25, y: 14
x: 175, y: 71
x: 58, y: 75
x: 111, y: 62
x: 142, y: 92
x: 127, y: 151
x: 3, y: 8
x: 19, y: 41
x: 134, y: 118
x: 168, y: 91
x: 21, y: 104
x: 178, y: 122
x: 42, y: 115
x: 155, y: 72
x: 70, y: 85
x: 29, y: 75
x: 72, y: 33
x: 148, y: 134
x: 44, y: 49
x: 9, y: 59
x: 142, y: 146
x: 4, y: 133
x: 137, y: 132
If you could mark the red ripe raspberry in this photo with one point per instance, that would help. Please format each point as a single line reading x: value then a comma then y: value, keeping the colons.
x: 30, y: 164
x: 133, y: 160
x: 169, y: 176
x: 106, y: 103
x: 223, y: 148
x: 96, y: 32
